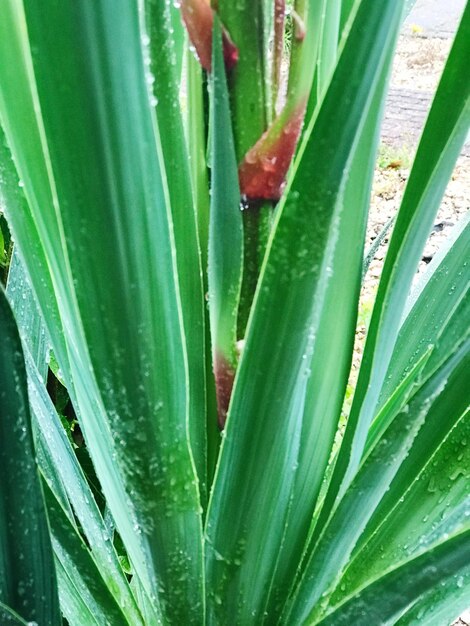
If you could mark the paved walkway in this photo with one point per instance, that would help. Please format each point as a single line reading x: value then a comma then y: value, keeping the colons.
x: 437, y: 18
x: 407, y: 109
x: 405, y: 115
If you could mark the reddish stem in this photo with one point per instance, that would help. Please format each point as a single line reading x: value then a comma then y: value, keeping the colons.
x: 198, y: 17
x: 224, y: 377
x: 263, y: 170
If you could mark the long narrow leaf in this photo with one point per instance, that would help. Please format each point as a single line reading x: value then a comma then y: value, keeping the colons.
x: 28, y: 319
x: 225, y: 235
x: 330, y: 360
x: 440, y: 145
x: 72, y: 555
x: 164, y: 72
x: 429, y: 333
x: 385, y: 600
x: 429, y: 405
x: 256, y: 472
x: 442, y: 604
x: 445, y: 283
x: 427, y: 500
x: 65, y: 471
x: 137, y: 421
x: 27, y: 575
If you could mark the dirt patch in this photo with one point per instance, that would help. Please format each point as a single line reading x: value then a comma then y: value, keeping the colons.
x: 419, y: 61
x: 418, y: 65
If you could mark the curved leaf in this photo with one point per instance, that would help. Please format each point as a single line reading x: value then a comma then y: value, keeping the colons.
x: 441, y: 400
x: 386, y: 599
x: 10, y: 617
x: 443, y: 136
x: 78, y: 575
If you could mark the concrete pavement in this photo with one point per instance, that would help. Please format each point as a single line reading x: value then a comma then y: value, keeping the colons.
x: 437, y: 18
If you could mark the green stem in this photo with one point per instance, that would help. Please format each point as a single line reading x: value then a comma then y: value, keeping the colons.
x: 243, y: 20
x: 246, y: 80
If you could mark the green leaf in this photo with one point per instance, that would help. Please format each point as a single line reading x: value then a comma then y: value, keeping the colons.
x: 176, y: 29
x: 195, y: 126
x: 10, y: 617
x: 243, y: 21
x: 196, y: 139
x: 330, y: 360
x: 151, y: 617
x: 440, y: 401
x: 427, y: 501
x: 35, y: 346
x: 64, y: 476
x: 443, y: 136
x: 257, y: 468
x: 225, y: 234
x: 74, y: 604
x: 436, y: 321
x: 22, y: 223
x: 329, y: 35
x: 2, y: 246
x: 389, y: 596
x: 107, y: 239
x: 27, y: 575
x: 28, y: 318
x: 164, y: 53
x: 432, y: 305
x: 85, y: 598
x: 442, y: 604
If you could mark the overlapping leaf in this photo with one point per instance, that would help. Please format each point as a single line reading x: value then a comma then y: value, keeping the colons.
x: 107, y: 239
x: 27, y: 574
x: 257, y: 468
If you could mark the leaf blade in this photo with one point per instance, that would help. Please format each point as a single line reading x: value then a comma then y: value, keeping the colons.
x: 225, y: 260
x: 27, y: 575
x: 256, y: 469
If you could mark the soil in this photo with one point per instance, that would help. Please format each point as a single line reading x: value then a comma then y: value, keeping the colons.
x: 417, y: 69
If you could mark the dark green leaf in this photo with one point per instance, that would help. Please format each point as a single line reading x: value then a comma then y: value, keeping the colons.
x: 257, y: 468
x: 27, y: 575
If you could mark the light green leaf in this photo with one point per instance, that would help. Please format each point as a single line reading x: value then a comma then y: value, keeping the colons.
x: 28, y: 318
x: 427, y: 501
x: 64, y: 475
x: 442, y: 604
x: 330, y: 360
x: 164, y: 53
x: 432, y: 305
x: 437, y: 320
x: 440, y: 401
